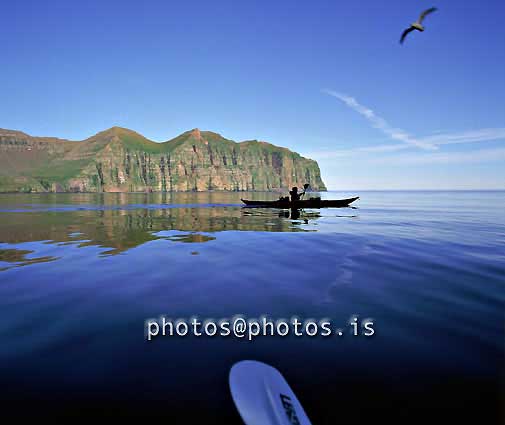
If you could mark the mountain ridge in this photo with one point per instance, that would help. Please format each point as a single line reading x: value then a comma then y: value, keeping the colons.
x: 121, y: 160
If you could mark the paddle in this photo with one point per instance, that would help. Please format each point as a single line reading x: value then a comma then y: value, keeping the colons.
x: 263, y: 397
x: 305, y: 187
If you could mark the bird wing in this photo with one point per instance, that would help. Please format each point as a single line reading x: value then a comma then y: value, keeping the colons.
x: 405, y: 33
x: 426, y: 13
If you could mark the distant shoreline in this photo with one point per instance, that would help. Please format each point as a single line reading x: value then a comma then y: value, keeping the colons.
x: 255, y: 191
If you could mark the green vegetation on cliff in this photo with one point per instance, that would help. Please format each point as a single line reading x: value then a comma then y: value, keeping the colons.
x: 121, y: 160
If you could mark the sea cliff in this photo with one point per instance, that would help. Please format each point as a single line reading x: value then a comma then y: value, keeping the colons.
x: 121, y: 160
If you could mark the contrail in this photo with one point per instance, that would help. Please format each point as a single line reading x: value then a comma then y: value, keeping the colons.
x: 380, y: 123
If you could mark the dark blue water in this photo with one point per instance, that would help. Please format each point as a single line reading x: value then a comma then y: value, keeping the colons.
x: 80, y: 273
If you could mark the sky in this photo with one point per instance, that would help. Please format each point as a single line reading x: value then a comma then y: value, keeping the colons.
x: 325, y: 78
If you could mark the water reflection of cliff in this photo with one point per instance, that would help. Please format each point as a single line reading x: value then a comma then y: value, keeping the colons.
x: 119, y: 222
x: 121, y: 230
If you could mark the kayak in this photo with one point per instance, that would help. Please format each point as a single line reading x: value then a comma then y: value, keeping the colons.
x: 304, y: 203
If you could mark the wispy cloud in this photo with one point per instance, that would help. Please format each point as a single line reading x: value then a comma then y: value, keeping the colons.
x: 472, y: 136
x: 428, y: 143
x: 380, y: 123
x: 430, y: 158
x: 438, y: 140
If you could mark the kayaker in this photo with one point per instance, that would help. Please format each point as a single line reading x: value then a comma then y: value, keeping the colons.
x: 295, y: 196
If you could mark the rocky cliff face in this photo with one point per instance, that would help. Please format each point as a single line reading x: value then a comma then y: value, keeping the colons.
x: 120, y: 160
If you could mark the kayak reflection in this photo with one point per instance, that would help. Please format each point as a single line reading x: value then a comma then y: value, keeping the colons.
x: 297, y: 214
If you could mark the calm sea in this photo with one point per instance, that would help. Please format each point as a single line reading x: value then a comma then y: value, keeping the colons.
x: 79, y: 274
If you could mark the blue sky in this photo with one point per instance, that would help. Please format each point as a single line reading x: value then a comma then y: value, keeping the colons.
x: 325, y: 78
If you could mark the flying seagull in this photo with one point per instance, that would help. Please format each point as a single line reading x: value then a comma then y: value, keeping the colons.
x: 419, y: 24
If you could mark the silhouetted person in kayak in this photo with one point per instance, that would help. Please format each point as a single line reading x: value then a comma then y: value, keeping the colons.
x: 295, y: 196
